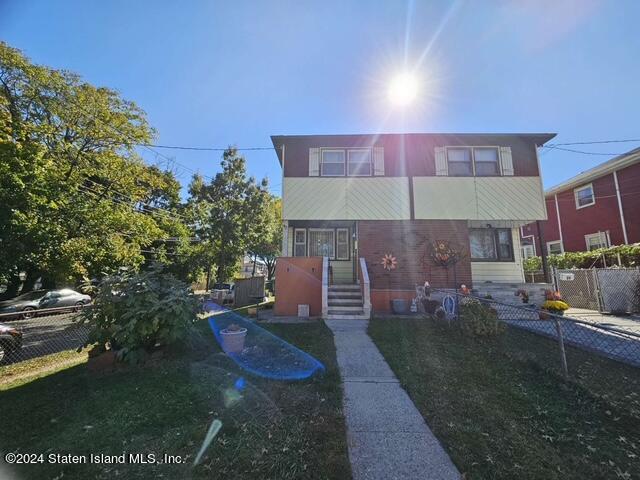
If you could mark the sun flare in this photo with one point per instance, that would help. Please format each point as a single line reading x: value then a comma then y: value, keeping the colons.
x: 403, y: 89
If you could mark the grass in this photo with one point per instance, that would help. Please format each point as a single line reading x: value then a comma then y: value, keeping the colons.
x: 502, y: 416
x: 16, y: 374
x: 274, y: 430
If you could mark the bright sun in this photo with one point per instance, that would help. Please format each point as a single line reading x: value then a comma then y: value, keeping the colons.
x: 403, y: 89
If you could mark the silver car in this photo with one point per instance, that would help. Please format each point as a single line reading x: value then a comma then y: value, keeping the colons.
x: 27, y: 304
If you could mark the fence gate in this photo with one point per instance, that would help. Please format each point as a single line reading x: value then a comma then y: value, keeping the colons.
x: 579, y: 287
x: 619, y: 289
x: 608, y: 290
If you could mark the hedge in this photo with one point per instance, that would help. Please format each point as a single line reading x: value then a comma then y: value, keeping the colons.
x: 620, y: 255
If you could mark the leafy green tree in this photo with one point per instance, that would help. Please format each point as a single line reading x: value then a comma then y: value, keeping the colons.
x: 77, y: 201
x: 268, y: 245
x: 228, y: 213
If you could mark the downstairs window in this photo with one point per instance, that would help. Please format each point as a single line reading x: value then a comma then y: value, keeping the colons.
x: 491, y: 244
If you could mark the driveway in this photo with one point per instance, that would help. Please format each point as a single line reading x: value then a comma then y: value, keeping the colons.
x: 48, y: 334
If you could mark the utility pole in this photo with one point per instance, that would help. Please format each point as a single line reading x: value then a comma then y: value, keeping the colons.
x: 543, y: 252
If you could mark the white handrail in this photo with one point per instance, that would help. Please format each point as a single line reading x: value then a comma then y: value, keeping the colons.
x: 325, y: 287
x: 366, y: 288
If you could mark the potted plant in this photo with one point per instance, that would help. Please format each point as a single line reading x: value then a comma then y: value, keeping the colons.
x: 523, y: 294
x: 554, y: 303
x: 233, y: 338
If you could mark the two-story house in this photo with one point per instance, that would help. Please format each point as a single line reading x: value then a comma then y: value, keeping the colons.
x: 361, y: 213
x: 597, y: 208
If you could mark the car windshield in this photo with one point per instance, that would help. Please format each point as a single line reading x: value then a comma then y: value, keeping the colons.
x: 31, y: 295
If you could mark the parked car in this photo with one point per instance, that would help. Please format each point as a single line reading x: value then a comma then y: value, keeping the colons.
x: 27, y: 304
x: 10, y: 340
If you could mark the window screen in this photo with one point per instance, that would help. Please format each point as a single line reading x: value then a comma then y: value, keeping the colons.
x: 459, y: 162
x: 360, y: 162
x: 332, y: 163
x: 486, y: 160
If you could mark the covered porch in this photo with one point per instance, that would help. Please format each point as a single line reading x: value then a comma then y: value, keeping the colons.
x: 334, y: 240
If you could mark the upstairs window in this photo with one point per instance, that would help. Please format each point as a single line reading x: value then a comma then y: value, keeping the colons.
x: 459, y: 161
x: 470, y: 161
x: 359, y: 162
x: 352, y: 162
x: 491, y: 244
x: 486, y: 161
x: 584, y: 196
x: 332, y: 163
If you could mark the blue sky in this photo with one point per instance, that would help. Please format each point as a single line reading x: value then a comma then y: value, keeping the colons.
x: 218, y: 73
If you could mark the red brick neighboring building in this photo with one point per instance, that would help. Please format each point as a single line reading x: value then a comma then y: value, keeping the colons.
x: 597, y: 208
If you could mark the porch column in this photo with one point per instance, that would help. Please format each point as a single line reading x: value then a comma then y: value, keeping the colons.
x: 285, y: 238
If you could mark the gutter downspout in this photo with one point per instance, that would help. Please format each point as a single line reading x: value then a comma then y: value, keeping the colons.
x: 559, y: 222
x: 624, y: 226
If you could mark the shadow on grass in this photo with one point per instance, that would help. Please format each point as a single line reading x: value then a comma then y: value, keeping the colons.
x: 270, y: 429
x: 502, y: 415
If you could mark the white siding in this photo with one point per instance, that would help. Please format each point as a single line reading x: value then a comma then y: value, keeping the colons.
x: 346, y: 198
x: 500, y: 272
x: 479, y: 198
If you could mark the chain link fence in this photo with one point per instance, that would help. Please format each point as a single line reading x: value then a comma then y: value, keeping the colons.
x: 580, y: 349
x: 37, y: 333
x: 606, y: 290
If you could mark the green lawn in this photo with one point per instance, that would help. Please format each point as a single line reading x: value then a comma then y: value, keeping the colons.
x: 502, y: 416
x: 275, y: 430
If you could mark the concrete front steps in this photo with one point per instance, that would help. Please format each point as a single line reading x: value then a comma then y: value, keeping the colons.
x: 345, y: 303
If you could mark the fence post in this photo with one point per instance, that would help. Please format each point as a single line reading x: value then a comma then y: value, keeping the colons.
x: 563, y: 355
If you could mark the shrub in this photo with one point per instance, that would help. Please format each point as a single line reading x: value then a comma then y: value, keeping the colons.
x: 622, y: 255
x: 480, y: 320
x: 134, y: 313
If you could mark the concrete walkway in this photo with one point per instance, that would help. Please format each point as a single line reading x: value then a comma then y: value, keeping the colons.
x: 387, y: 436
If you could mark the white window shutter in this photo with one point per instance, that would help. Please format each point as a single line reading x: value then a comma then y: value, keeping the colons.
x: 314, y: 162
x: 506, y: 161
x: 378, y: 161
x: 441, y: 162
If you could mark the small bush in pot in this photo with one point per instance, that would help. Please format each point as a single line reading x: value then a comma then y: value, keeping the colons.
x: 134, y: 313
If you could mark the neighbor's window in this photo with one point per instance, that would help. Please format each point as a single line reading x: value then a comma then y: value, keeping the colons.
x: 342, y: 244
x: 359, y: 162
x: 486, y: 161
x: 300, y: 242
x: 459, y: 162
x: 554, y: 248
x: 332, y: 164
x: 597, y: 240
x: 584, y: 196
x: 528, y: 251
x: 321, y: 243
x: 491, y: 244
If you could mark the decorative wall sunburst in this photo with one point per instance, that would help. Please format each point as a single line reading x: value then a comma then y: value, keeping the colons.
x: 389, y: 262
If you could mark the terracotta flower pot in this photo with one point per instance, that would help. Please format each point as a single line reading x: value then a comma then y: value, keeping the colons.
x: 233, y: 340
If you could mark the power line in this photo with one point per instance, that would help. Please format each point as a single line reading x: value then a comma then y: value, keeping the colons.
x: 549, y: 147
x: 204, y: 149
x: 595, y: 142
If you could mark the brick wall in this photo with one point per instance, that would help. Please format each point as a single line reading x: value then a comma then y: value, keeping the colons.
x: 408, y: 241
